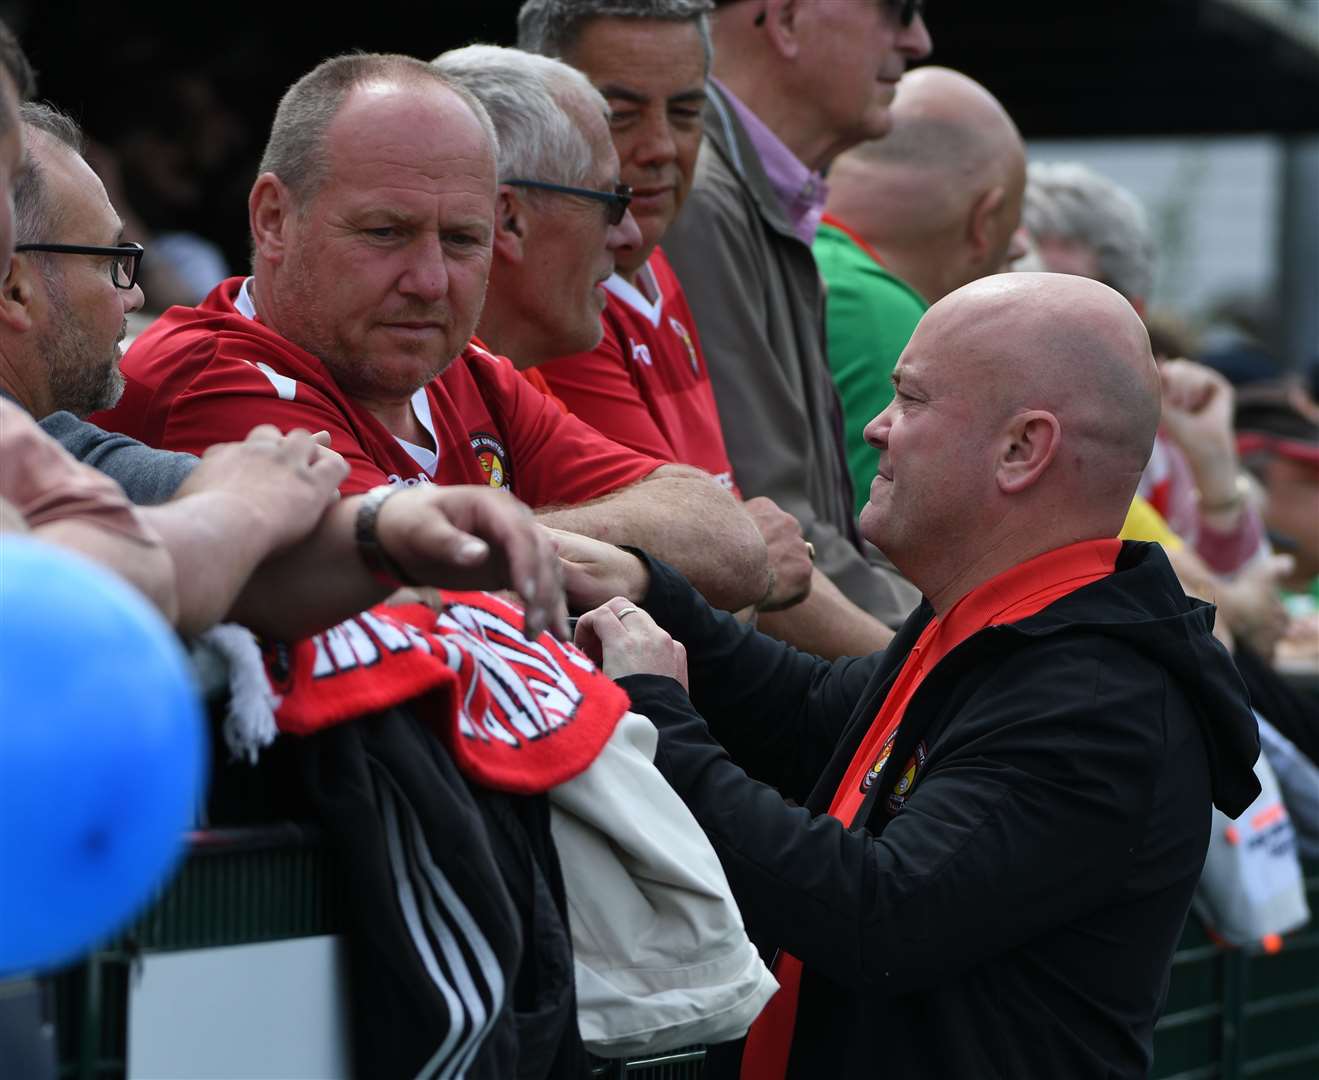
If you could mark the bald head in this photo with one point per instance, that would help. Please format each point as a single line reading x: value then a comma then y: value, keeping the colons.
x: 1025, y: 410
x: 1071, y: 347
x: 945, y: 122
x: 940, y: 196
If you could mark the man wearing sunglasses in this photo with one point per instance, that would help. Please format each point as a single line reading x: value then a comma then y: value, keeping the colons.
x: 372, y: 223
x: 561, y: 214
x: 796, y: 82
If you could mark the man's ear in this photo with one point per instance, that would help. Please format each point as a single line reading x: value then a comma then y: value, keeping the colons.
x: 17, y: 295
x: 1029, y: 445
x: 270, y: 212
x: 780, y: 24
x: 510, y: 227
x: 980, y: 231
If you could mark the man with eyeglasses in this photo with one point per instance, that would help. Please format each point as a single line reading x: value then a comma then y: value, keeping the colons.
x: 554, y: 268
x: 253, y: 530
x: 561, y: 214
x: 83, y: 386
x: 372, y: 223
x: 645, y: 384
x: 795, y: 83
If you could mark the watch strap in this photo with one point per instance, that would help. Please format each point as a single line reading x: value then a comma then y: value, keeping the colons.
x: 378, y: 562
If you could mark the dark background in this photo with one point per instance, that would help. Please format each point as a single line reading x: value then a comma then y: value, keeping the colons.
x: 1064, y: 67
x: 182, y: 93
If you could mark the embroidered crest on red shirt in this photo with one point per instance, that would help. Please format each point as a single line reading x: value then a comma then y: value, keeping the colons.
x: 686, y: 336
x: 494, y: 460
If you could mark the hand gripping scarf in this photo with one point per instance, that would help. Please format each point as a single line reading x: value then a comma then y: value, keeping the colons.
x: 517, y: 715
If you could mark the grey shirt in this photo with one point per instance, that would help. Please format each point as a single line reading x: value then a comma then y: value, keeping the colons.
x: 147, y: 476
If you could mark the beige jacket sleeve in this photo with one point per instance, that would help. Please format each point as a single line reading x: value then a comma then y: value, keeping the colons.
x: 662, y: 959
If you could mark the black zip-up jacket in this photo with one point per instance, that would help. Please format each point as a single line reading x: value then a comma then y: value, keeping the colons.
x: 1016, y: 917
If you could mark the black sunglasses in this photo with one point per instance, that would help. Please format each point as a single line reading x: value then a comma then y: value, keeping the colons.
x: 126, y: 257
x: 906, y: 10
x: 616, y: 201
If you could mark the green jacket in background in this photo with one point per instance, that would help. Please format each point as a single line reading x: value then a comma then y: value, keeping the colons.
x: 870, y: 315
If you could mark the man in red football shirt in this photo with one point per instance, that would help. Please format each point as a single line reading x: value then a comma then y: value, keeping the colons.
x: 371, y: 222
x: 646, y: 384
x: 253, y: 532
x: 561, y: 225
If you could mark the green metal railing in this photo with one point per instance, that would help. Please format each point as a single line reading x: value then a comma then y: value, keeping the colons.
x: 1230, y: 1014
x: 1235, y: 1013
x: 236, y: 887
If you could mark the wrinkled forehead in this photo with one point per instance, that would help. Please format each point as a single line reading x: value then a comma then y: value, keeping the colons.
x: 424, y: 125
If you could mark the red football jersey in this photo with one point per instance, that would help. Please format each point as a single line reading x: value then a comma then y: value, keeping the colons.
x: 646, y: 384
x: 209, y: 374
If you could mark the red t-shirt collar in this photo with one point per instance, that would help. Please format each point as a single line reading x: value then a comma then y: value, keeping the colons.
x: 829, y: 219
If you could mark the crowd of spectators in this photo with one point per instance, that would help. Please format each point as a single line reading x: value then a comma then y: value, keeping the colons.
x: 836, y: 425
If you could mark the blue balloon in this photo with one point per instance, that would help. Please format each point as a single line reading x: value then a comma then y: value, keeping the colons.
x: 103, y: 754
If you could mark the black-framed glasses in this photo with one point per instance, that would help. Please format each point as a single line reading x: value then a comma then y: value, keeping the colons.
x: 125, y: 257
x: 616, y: 201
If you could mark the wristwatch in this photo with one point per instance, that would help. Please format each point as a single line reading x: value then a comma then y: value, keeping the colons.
x: 378, y: 562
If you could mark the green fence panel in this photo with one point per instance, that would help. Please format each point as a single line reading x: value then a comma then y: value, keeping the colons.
x: 1230, y: 1014
x: 1235, y: 1013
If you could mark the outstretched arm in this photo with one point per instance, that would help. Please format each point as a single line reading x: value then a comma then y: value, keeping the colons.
x: 827, y: 624
x: 449, y: 537
x: 888, y: 913
x: 243, y: 502
x: 779, y: 712
x: 62, y: 502
x: 679, y: 515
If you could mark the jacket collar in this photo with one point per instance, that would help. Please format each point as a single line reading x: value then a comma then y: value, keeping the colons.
x: 1142, y: 604
x: 729, y: 138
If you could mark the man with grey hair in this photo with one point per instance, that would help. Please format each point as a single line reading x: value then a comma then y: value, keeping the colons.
x: 930, y: 207
x: 647, y: 383
x: 372, y: 249
x: 1083, y: 223
x: 796, y: 83
x: 561, y: 212
x: 554, y: 27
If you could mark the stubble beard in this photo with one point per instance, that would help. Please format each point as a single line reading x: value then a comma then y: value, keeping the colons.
x: 78, y: 383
